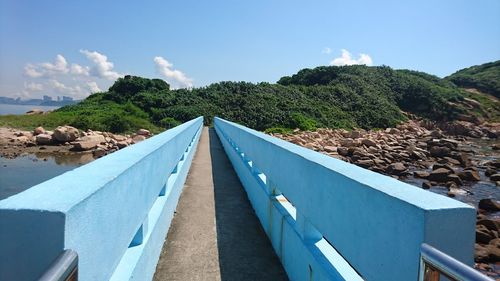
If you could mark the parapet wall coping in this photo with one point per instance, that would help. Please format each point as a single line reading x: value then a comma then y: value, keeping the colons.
x: 415, y: 196
x: 65, y: 191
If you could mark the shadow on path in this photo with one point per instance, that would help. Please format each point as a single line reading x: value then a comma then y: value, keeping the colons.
x: 245, y: 252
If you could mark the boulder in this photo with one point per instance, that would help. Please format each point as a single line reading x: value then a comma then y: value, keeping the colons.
x: 495, y: 177
x: 84, y: 145
x: 426, y: 185
x: 88, y: 142
x: 464, y: 159
x: 22, y: 139
x: 494, y: 163
x: 439, y: 175
x: 396, y: 169
x: 99, y: 152
x: 436, y: 134
x: 418, y: 155
x: 344, y: 151
x: 34, y: 111
x: 452, y: 161
x: 66, y: 134
x: 455, y: 178
x: 421, y: 174
x: 355, y: 134
x: 121, y: 144
x: 330, y: 148
x: 483, y: 235
x: 493, y: 252
x: 481, y: 253
x: 38, y: 131
x: 444, y: 166
x: 138, y: 138
x: 349, y: 142
x: 450, y: 143
x: 97, y: 138
x: 439, y: 151
x: 118, y: 137
x: 489, y: 205
x: 143, y: 132
x: 489, y: 224
x: 42, y: 139
x: 365, y: 163
x: 489, y: 172
x: 394, y: 131
x: 368, y: 142
x: 469, y: 175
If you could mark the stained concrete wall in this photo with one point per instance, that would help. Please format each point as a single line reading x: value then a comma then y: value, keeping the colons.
x: 114, y: 212
x: 331, y: 220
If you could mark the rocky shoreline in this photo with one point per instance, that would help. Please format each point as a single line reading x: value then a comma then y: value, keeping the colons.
x: 439, y: 155
x: 65, y: 139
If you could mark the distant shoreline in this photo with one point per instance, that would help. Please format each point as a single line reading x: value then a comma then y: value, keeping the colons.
x: 20, y: 109
x: 46, y: 103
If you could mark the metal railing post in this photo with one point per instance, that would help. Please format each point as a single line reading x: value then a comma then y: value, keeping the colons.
x: 64, y: 268
x: 434, y: 263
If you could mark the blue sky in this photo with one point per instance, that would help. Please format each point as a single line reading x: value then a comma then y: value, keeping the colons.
x: 75, y: 47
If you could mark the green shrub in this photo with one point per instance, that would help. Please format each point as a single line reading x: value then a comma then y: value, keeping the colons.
x: 326, y: 96
x: 297, y: 120
x: 278, y: 130
x: 116, y: 123
x: 169, y: 122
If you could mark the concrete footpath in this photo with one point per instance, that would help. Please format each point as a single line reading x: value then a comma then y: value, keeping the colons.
x: 215, y: 234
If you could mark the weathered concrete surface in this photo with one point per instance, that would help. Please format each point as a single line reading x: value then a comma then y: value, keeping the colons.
x: 370, y: 222
x: 215, y: 234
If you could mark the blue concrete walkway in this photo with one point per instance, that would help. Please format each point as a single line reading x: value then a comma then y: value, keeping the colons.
x: 215, y: 234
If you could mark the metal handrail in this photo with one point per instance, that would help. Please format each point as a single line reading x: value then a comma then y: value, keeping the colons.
x: 433, y: 263
x: 64, y: 268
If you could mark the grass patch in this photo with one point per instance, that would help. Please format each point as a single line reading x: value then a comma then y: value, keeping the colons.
x: 93, y: 113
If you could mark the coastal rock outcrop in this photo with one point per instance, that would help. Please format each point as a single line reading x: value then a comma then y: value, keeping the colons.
x: 88, y: 142
x: 143, y: 132
x: 430, y: 155
x: 38, y: 130
x: 489, y: 205
x: 138, y: 138
x: 44, y: 139
x: 65, y: 134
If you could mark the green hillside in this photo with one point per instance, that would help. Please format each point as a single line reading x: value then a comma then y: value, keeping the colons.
x: 484, y: 77
x: 326, y: 96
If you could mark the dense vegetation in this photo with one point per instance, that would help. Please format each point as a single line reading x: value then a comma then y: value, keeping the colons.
x: 93, y: 113
x: 335, y: 97
x: 485, y: 78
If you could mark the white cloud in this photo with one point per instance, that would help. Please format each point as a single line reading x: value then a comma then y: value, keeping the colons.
x: 75, y: 91
x: 77, y: 69
x: 326, y: 50
x: 61, y: 77
x: 33, y: 87
x: 32, y: 71
x: 93, y: 87
x: 60, y: 66
x: 102, y: 67
x: 174, y: 76
x: 347, y: 59
x: 58, y: 86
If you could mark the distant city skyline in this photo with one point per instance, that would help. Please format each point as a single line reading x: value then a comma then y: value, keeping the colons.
x: 74, y: 48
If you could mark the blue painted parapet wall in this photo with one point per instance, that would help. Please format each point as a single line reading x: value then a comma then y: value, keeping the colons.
x: 330, y: 220
x: 114, y: 212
